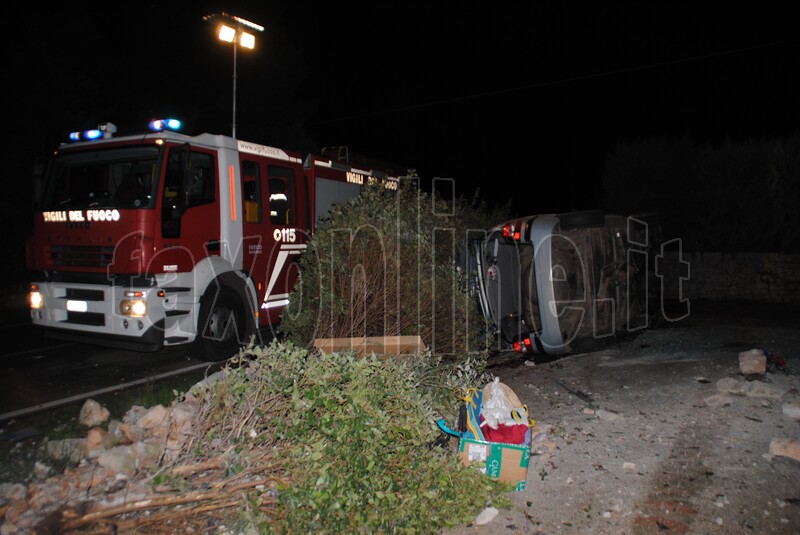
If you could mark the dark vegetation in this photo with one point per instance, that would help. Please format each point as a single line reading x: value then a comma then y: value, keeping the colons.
x: 386, y: 264
x: 734, y: 196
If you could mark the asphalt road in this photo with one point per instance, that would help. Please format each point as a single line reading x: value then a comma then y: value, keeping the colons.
x: 37, y: 373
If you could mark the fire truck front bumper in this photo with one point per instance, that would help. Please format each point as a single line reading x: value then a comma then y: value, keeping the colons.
x: 120, y: 317
x: 151, y: 340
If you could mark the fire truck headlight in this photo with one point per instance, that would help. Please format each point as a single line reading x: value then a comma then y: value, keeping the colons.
x: 136, y: 308
x: 35, y: 297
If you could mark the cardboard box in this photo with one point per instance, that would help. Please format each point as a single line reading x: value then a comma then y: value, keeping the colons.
x: 505, y: 462
x: 380, y: 345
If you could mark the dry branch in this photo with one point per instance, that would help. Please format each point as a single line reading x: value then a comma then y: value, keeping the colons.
x: 156, y: 502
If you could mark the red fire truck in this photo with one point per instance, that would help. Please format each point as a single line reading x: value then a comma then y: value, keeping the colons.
x: 160, y: 238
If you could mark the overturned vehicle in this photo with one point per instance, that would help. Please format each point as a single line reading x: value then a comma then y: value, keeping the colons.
x: 553, y: 284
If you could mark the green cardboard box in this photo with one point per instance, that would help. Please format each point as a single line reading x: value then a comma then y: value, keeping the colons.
x: 504, y: 462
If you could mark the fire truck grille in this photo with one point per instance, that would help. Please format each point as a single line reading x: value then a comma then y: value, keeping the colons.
x: 81, y: 256
x: 84, y: 294
x: 86, y: 318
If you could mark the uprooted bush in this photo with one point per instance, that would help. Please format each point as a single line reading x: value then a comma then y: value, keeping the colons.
x: 281, y: 440
x: 351, y: 438
x: 386, y: 264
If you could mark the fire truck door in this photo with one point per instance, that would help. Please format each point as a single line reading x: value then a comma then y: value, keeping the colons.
x: 272, y: 240
x: 190, y: 210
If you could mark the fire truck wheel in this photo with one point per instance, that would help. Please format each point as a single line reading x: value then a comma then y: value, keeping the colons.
x: 220, y: 325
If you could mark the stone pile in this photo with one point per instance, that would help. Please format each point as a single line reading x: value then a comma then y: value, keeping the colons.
x: 106, y: 463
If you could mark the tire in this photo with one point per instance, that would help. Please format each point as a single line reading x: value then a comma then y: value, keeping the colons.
x: 585, y: 219
x: 220, y: 325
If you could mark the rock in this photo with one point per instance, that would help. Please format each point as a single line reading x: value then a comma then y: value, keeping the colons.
x: 134, y: 414
x: 718, y: 400
x: 183, y: 420
x: 15, y: 511
x: 792, y: 409
x: 753, y: 361
x: 93, y: 414
x: 94, y: 442
x: 607, y: 415
x: 71, y: 449
x: 90, y: 476
x: 12, y: 491
x: 486, y: 516
x: 119, y: 459
x: 41, y: 495
x: 629, y: 467
x: 118, y: 433
x: 735, y: 387
x: 785, y: 448
x: 148, y: 452
x: 152, y: 418
x: 539, y: 438
x: 41, y: 470
x: 760, y: 390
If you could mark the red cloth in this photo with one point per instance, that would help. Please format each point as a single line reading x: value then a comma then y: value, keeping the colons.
x: 507, y: 434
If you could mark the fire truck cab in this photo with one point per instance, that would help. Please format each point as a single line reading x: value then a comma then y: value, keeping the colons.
x: 159, y: 239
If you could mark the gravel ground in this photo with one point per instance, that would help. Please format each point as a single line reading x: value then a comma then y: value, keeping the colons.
x: 641, y: 439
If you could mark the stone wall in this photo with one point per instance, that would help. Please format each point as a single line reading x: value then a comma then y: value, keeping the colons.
x: 768, y: 277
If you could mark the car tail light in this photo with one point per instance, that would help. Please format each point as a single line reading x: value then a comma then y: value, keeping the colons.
x: 524, y: 346
x: 512, y: 230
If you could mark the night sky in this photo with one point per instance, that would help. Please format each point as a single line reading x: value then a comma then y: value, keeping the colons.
x: 521, y: 102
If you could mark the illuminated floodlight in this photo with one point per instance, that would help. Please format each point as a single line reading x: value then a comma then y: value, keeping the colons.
x: 232, y: 30
x: 247, y: 40
x: 226, y: 33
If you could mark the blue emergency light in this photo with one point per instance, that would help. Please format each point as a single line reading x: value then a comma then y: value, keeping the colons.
x: 103, y: 130
x: 107, y: 130
x: 165, y: 124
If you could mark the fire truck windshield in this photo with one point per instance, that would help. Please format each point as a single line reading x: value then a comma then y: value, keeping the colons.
x: 123, y: 177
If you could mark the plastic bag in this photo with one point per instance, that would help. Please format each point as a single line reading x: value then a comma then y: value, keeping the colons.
x: 501, y: 406
x: 493, y: 414
x: 503, y: 416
